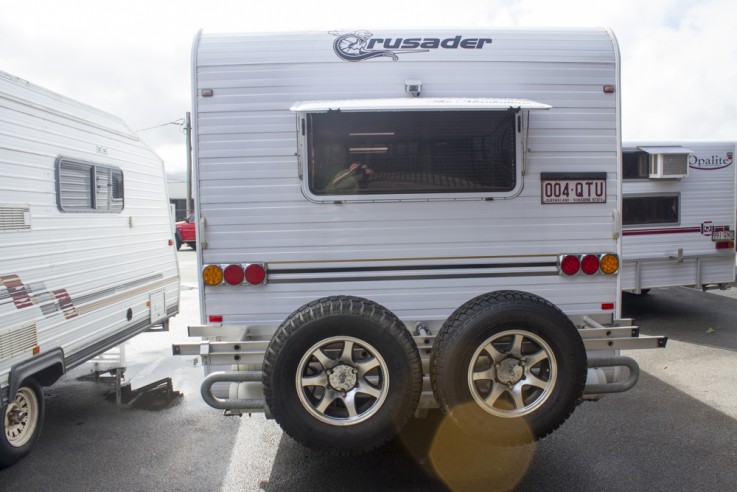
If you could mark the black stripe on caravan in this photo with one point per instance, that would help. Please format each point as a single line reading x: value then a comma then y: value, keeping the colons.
x: 273, y: 280
x: 431, y: 273
x: 300, y: 271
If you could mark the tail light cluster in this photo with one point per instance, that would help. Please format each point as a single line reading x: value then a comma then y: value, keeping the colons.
x: 235, y: 274
x: 588, y: 264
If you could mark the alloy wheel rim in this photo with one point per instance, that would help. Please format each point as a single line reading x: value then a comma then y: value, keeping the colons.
x: 512, y: 373
x: 342, y: 381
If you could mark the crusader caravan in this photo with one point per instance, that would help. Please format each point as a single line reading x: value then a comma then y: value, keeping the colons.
x: 678, y: 215
x: 87, y: 253
x: 390, y: 222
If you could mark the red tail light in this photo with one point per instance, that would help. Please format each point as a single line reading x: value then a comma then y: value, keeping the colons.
x: 233, y: 274
x: 570, y: 264
x: 590, y: 264
x: 255, y: 274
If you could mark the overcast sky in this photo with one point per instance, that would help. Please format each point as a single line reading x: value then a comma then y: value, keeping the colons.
x: 132, y: 58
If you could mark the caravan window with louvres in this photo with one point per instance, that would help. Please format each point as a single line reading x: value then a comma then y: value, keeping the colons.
x: 87, y: 187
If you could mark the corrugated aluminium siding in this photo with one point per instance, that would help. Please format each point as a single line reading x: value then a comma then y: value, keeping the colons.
x: 252, y: 200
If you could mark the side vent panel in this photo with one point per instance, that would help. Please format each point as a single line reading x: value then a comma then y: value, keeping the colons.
x: 18, y: 340
x: 15, y: 218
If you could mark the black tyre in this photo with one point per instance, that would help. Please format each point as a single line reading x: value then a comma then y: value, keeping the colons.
x: 178, y: 240
x: 22, y: 422
x: 342, y: 375
x: 508, y: 367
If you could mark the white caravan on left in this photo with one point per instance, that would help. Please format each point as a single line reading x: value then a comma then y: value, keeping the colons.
x: 86, y: 239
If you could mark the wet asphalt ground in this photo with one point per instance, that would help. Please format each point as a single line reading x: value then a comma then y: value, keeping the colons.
x: 676, y: 430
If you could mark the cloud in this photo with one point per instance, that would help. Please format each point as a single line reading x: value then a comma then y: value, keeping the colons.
x: 679, y: 77
x: 132, y: 58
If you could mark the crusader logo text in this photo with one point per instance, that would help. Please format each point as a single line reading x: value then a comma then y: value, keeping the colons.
x: 359, y: 45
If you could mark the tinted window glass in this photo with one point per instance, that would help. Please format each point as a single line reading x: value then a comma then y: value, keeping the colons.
x: 635, y: 165
x: 117, y: 184
x: 411, y: 152
x: 651, y: 210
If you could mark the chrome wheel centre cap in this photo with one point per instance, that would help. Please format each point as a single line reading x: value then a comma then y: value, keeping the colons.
x: 342, y: 377
x: 509, y: 371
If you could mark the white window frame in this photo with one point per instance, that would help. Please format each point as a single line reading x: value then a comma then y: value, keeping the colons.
x: 98, y: 200
x: 522, y: 107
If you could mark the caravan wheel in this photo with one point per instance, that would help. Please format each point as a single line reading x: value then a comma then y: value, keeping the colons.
x: 508, y: 367
x: 21, y: 424
x: 342, y: 374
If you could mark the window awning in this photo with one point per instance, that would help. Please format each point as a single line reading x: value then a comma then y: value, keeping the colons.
x: 665, y: 150
x: 417, y: 104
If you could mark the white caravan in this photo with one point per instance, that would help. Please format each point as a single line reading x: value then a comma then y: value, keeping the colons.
x: 678, y: 215
x: 87, y: 246
x: 390, y: 222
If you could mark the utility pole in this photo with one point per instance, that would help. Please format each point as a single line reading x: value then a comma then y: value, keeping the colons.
x: 188, y: 136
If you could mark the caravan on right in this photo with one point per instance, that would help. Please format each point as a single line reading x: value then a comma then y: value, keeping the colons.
x: 678, y: 215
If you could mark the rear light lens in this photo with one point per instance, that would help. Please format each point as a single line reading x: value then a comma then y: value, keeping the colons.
x: 212, y: 275
x: 215, y: 318
x: 255, y: 274
x: 725, y: 245
x: 233, y: 274
x: 590, y: 264
x: 570, y: 264
x: 609, y: 264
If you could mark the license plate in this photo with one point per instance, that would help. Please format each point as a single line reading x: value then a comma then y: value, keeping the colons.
x: 573, y: 191
x: 722, y: 236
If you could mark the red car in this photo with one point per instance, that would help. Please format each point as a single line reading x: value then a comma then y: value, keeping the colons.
x: 186, y: 233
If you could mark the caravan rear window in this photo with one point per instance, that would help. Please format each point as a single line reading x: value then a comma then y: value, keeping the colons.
x: 635, y: 165
x: 87, y: 187
x: 412, y: 153
x: 655, y: 209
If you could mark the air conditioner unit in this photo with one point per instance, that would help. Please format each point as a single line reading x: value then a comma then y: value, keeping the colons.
x: 667, y: 162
